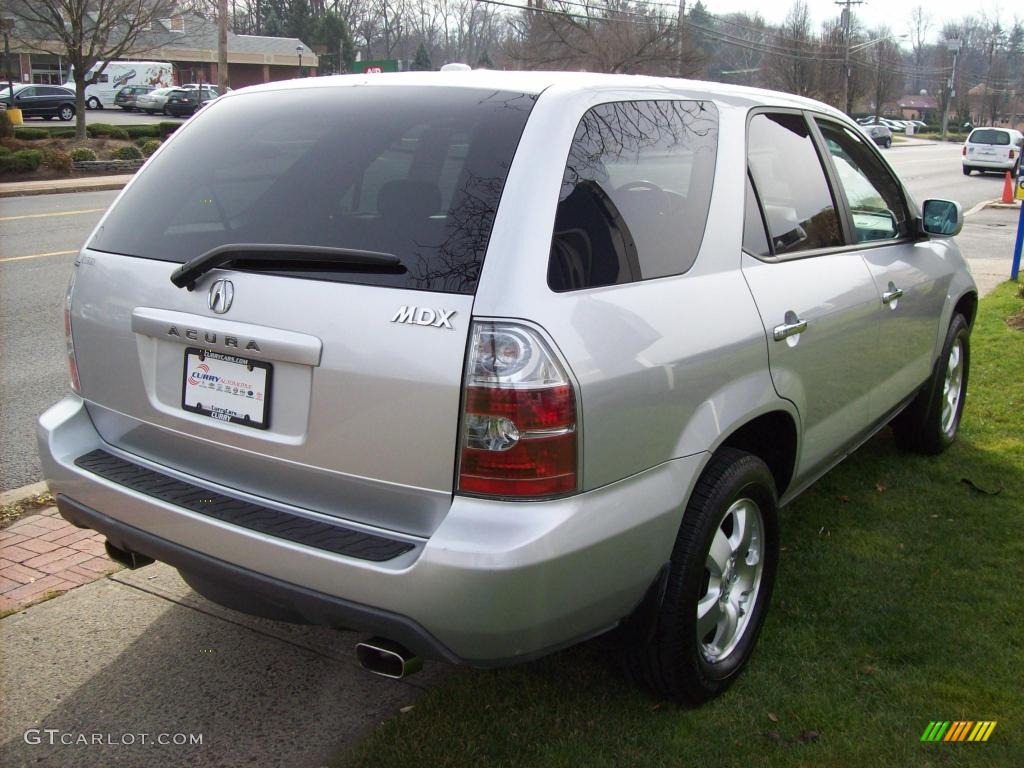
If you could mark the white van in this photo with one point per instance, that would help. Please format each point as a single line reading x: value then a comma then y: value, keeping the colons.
x: 117, y: 74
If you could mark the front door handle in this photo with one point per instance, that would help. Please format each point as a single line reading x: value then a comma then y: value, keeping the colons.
x: 791, y: 327
x: 892, y: 294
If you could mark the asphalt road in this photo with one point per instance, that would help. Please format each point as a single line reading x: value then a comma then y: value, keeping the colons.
x: 39, y: 236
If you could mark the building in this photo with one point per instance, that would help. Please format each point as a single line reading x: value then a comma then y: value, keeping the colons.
x: 189, y: 43
x: 918, y: 108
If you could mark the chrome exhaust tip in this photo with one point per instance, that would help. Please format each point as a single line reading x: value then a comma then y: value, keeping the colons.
x: 125, y: 557
x: 387, y: 658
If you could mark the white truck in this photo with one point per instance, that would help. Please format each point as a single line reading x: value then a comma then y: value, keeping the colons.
x: 117, y: 74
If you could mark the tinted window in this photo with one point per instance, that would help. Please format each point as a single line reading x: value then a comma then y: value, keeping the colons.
x: 755, y: 240
x: 876, y: 203
x: 635, y: 193
x: 988, y: 136
x: 790, y: 181
x: 415, y: 172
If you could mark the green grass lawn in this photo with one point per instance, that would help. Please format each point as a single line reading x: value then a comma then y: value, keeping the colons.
x: 900, y: 600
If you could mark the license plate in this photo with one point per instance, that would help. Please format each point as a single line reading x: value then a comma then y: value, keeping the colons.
x: 227, y: 388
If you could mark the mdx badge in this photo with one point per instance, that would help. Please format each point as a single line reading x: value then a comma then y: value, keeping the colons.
x: 438, y: 318
x: 222, y: 293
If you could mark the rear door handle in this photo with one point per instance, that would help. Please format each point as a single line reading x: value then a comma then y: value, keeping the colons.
x: 791, y: 327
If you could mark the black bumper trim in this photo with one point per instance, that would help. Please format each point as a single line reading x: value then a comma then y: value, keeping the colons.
x: 311, y: 606
x: 273, y: 522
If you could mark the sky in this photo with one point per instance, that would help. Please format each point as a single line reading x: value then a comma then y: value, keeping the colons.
x: 873, y: 13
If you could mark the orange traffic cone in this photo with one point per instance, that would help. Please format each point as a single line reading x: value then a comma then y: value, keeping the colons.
x: 1008, y: 188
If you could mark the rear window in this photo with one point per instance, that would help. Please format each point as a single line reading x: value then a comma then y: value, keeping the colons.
x: 987, y: 136
x: 414, y: 172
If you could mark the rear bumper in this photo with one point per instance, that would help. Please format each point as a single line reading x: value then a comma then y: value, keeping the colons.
x: 991, y: 163
x: 496, y: 583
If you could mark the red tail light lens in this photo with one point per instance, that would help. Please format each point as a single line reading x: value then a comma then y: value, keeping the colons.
x: 76, y: 385
x: 963, y: 151
x: 1012, y: 154
x: 518, y: 436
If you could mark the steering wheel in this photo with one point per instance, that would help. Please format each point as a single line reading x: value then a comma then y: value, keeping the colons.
x: 631, y: 185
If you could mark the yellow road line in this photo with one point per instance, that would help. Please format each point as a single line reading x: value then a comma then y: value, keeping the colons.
x: 37, y: 256
x: 47, y: 215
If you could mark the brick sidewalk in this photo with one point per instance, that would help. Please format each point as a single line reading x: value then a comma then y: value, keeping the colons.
x: 43, y: 553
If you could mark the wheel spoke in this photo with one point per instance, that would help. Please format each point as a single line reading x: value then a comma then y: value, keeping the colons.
x: 719, y: 554
x: 709, y: 613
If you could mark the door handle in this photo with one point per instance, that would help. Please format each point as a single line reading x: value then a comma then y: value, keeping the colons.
x: 892, y: 294
x: 791, y: 327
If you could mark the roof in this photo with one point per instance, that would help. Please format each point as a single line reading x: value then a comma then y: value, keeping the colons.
x: 563, y: 82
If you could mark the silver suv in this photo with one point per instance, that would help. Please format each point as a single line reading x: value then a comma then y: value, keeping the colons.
x: 485, y: 364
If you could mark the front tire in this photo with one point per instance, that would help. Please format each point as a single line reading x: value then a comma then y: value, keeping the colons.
x: 888, y: 143
x: 929, y: 425
x: 66, y: 113
x: 719, y: 584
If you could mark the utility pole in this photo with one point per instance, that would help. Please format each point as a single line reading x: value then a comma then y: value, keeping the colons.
x: 222, y: 45
x: 679, y: 38
x: 846, y: 18
x: 954, y: 46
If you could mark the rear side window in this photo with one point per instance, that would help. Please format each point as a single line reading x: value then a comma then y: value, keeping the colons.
x: 635, y: 193
x: 414, y: 172
x: 989, y: 136
x: 790, y: 180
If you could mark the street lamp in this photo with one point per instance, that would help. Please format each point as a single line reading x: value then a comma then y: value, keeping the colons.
x: 298, y: 50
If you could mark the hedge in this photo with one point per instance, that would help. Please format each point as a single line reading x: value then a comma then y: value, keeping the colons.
x: 127, y: 152
x: 31, y: 134
x: 22, y: 161
x: 105, y: 129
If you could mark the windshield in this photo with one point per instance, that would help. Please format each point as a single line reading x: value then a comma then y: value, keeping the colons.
x: 415, y: 172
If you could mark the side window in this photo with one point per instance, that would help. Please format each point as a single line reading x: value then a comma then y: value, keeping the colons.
x: 876, y: 203
x: 755, y: 240
x: 787, y: 172
x: 635, y: 193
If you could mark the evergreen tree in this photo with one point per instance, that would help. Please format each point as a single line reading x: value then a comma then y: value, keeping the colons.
x: 422, y: 61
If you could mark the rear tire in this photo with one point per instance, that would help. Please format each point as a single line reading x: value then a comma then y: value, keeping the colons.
x: 66, y: 113
x: 719, y: 584
x: 93, y: 103
x: 888, y: 143
x: 929, y: 425
x: 967, y: 171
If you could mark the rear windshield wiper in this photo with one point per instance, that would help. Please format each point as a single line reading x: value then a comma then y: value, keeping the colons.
x: 282, y: 256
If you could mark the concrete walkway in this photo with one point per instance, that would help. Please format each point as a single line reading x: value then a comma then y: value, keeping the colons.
x: 105, y: 673
x: 55, y: 186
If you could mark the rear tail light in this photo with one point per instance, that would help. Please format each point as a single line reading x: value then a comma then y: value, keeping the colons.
x: 1012, y: 154
x: 76, y: 384
x: 519, y: 424
x: 963, y: 151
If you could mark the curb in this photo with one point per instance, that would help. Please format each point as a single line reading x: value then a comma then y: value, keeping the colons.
x: 28, y: 192
x: 25, y: 492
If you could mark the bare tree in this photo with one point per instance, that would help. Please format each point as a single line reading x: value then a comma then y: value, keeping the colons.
x: 89, y: 32
x: 919, y: 27
x: 793, y: 62
x: 882, y: 61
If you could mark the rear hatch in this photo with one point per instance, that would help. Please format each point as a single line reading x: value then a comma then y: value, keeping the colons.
x: 988, y: 144
x: 316, y: 358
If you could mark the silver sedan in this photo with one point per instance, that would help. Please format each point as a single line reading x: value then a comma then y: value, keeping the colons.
x: 154, y: 101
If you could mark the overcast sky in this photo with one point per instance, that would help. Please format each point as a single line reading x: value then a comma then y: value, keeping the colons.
x: 894, y: 13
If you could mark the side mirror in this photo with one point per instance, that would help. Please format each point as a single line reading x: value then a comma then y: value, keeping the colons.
x: 944, y: 218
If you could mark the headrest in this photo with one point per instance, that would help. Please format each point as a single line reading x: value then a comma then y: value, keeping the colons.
x: 405, y: 198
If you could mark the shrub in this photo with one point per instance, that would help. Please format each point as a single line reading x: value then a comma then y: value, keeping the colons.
x: 142, y: 131
x: 166, y: 129
x: 58, y: 160
x: 63, y: 133
x: 151, y: 146
x: 82, y: 153
x: 22, y: 161
x: 127, y: 152
x: 105, y: 129
x: 31, y: 134
x: 4, y: 150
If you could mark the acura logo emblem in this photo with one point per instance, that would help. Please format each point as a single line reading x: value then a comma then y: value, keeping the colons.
x: 222, y: 293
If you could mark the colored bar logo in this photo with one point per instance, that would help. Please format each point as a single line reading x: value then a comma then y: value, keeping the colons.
x: 958, y: 730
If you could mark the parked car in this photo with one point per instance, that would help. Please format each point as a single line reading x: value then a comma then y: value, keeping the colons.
x: 992, y: 149
x: 880, y: 134
x: 154, y: 101
x: 185, y: 101
x: 483, y: 364
x: 127, y: 97
x: 45, y: 101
